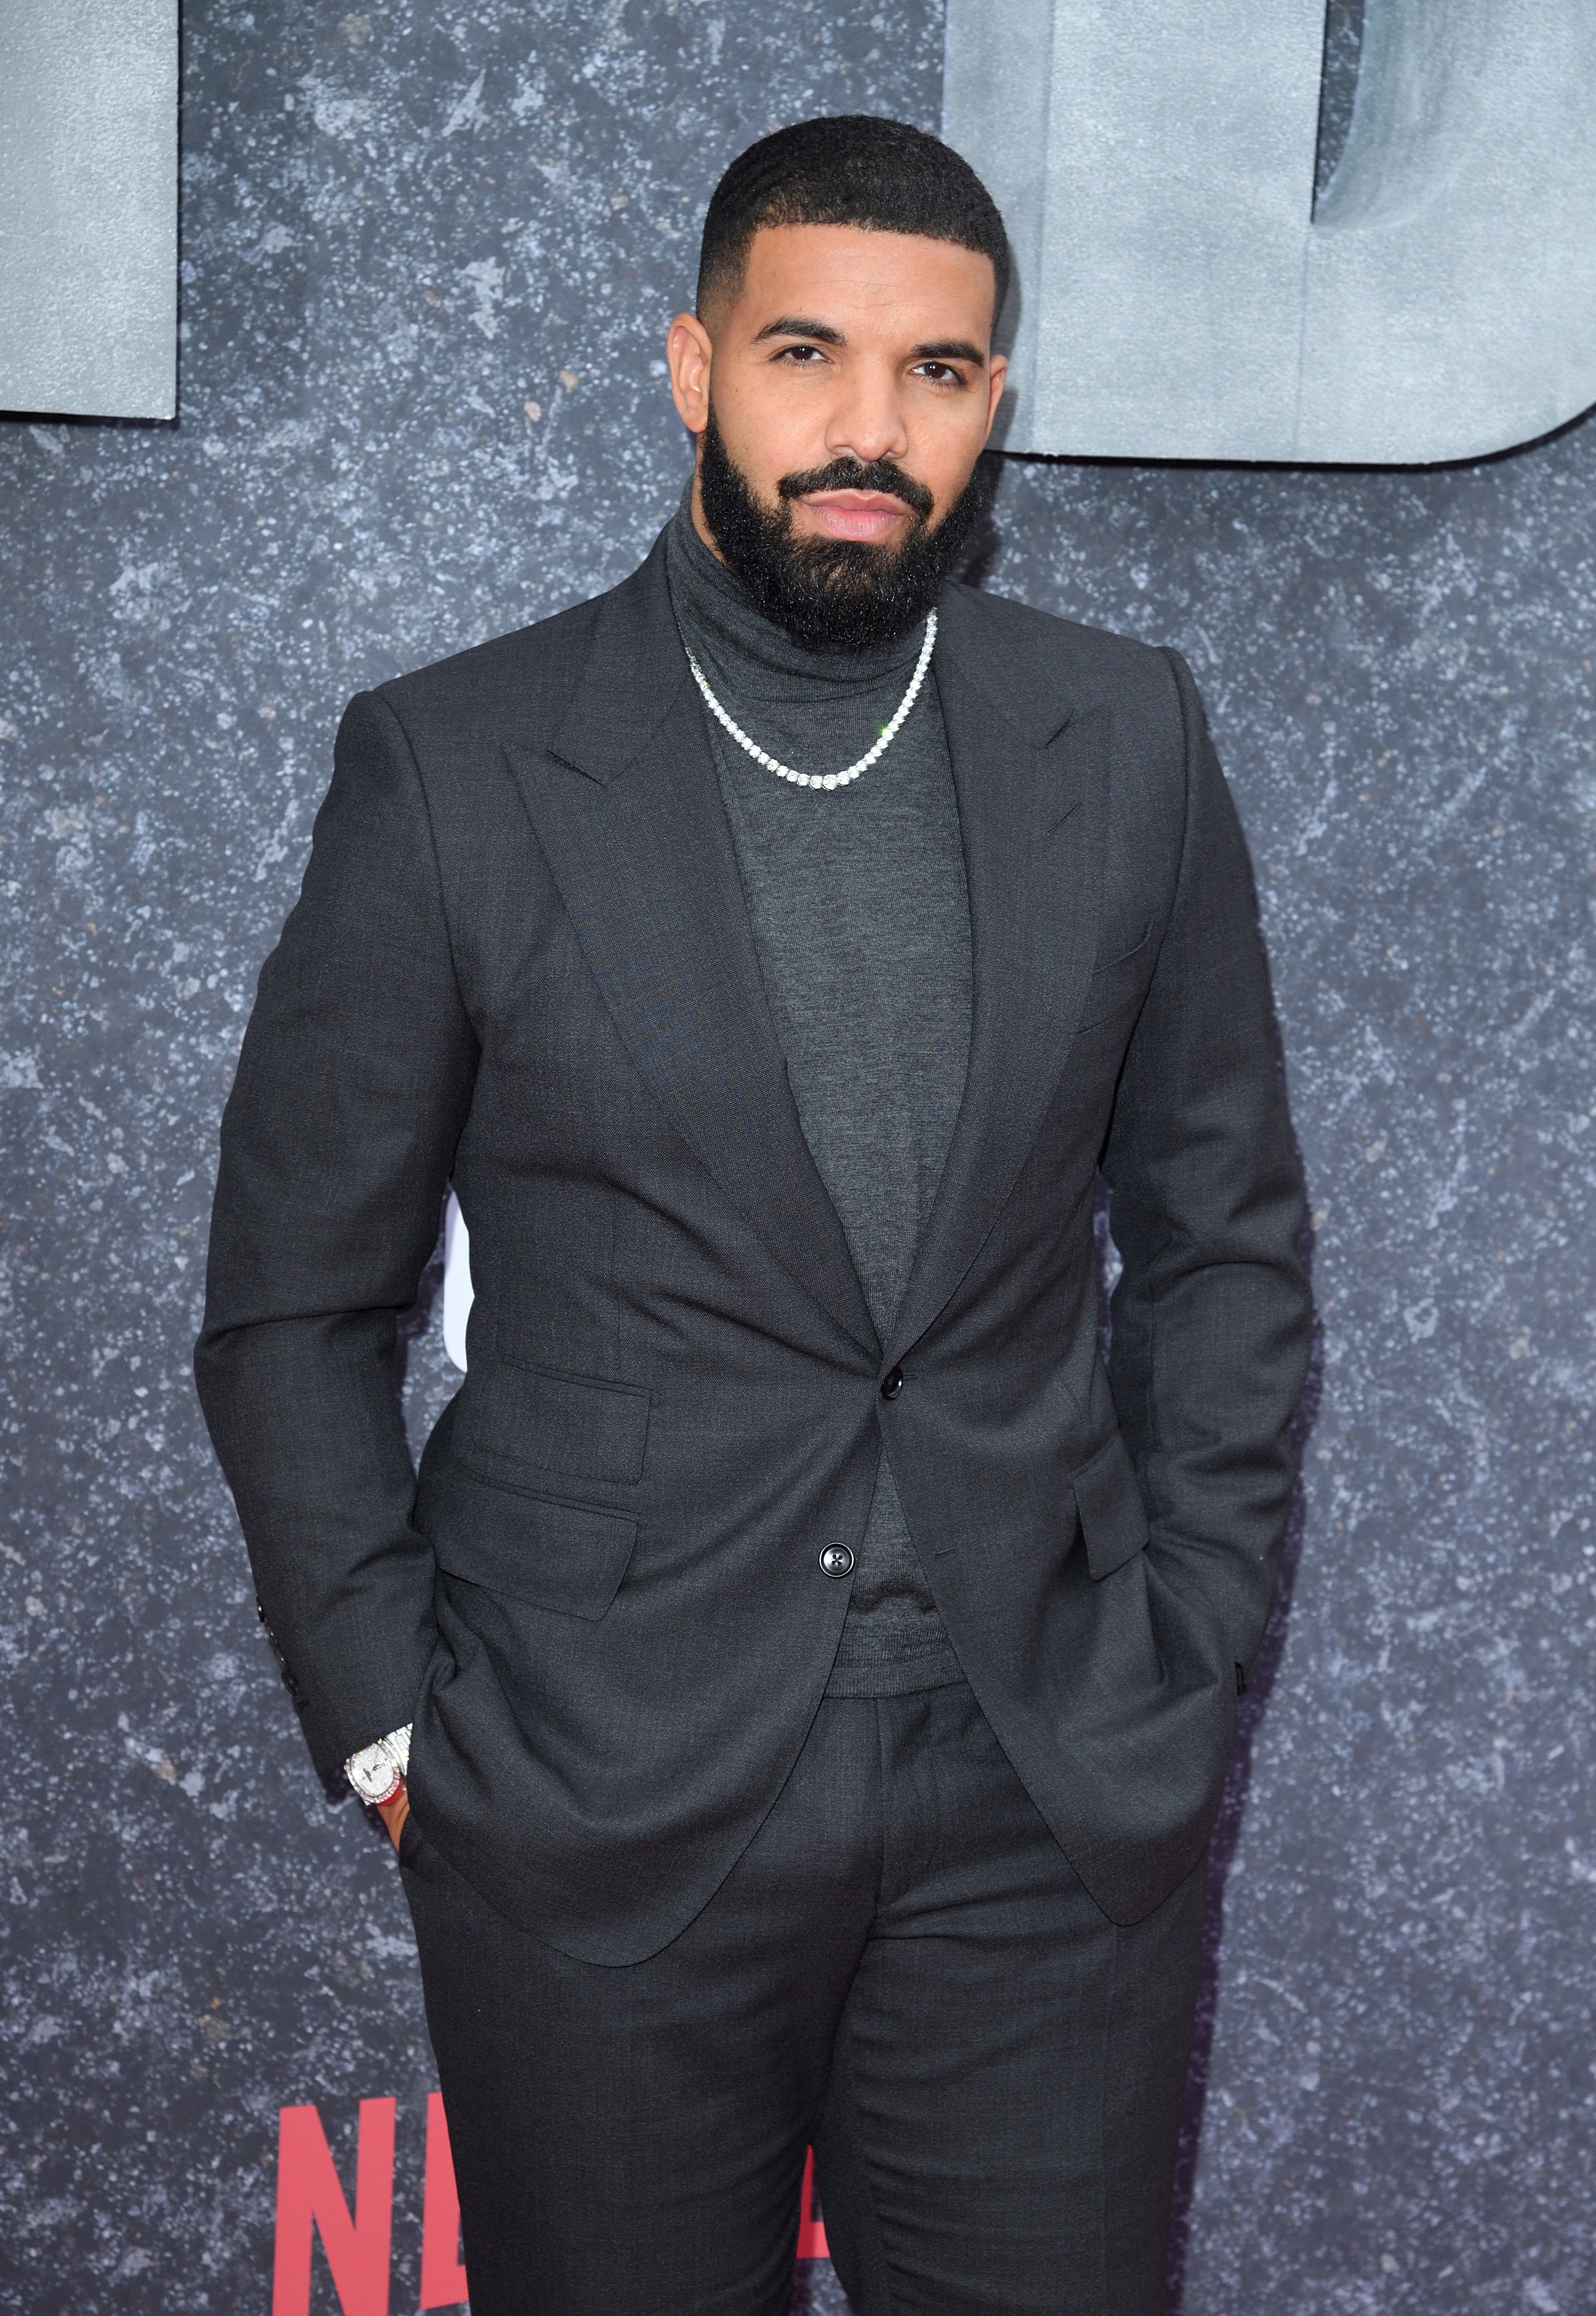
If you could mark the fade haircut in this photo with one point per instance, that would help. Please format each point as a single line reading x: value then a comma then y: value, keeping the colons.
x: 854, y: 168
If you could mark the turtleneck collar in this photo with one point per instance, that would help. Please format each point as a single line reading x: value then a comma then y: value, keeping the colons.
x: 740, y: 649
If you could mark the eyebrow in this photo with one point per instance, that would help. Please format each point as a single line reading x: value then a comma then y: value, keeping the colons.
x: 794, y: 326
x: 951, y: 350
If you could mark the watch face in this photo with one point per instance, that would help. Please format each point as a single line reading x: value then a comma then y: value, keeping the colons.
x: 371, y: 1773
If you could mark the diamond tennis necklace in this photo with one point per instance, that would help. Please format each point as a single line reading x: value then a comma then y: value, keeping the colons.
x: 824, y: 780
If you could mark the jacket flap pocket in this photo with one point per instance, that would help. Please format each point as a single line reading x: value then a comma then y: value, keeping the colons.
x: 515, y: 1418
x: 567, y: 1557
x: 1113, y: 1518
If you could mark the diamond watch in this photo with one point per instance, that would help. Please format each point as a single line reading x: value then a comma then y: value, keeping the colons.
x: 378, y: 1771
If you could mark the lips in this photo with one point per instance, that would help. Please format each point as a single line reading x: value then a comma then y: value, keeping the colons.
x: 870, y: 516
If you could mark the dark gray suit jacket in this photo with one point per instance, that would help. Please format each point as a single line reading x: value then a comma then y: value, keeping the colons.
x: 521, y: 962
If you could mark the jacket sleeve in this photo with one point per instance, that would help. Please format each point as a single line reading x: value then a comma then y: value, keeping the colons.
x: 1212, y: 1321
x: 337, y: 1143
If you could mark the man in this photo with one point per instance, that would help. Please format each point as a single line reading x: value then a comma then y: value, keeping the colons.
x: 807, y: 1672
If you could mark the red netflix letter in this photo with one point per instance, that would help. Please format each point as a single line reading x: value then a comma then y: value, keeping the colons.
x: 442, y: 2279
x: 811, y: 2242
x: 308, y: 2196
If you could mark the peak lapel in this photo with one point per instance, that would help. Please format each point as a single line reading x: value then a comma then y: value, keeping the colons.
x: 1030, y: 770
x: 627, y: 810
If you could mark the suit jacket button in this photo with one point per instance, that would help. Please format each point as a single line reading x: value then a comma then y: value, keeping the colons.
x: 893, y: 1385
x: 837, y: 1561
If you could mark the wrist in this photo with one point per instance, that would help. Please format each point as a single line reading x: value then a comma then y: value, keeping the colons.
x: 378, y: 1771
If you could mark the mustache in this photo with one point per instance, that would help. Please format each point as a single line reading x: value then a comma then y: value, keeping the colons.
x: 853, y: 475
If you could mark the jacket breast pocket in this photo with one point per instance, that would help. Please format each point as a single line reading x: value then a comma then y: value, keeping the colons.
x: 1114, y: 1518
x: 517, y: 1422
x: 569, y: 1558
x: 1119, y: 984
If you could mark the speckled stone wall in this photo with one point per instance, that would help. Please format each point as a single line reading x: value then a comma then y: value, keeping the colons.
x: 427, y: 261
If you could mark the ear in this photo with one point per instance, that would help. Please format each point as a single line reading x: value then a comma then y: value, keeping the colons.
x: 997, y: 370
x: 689, y: 356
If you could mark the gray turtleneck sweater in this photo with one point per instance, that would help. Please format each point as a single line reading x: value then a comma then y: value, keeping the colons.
x: 860, y: 920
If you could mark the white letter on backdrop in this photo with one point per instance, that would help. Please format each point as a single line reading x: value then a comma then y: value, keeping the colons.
x: 1180, y: 298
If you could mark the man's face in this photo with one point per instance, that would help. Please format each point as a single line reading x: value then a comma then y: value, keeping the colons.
x: 846, y: 391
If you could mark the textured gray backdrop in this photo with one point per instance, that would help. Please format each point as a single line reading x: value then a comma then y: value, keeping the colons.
x: 427, y: 263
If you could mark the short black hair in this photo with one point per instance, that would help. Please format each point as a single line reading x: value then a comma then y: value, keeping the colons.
x: 851, y: 168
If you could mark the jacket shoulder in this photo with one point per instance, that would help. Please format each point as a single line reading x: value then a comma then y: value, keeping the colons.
x: 521, y: 680
x: 1094, y: 663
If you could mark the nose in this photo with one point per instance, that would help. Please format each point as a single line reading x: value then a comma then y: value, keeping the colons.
x: 868, y: 420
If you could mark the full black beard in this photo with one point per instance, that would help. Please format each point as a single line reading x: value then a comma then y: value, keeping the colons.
x: 836, y: 594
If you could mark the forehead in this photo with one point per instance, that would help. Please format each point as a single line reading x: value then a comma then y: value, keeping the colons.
x: 863, y: 280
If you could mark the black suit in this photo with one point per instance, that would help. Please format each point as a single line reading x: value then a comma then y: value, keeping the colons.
x: 521, y: 962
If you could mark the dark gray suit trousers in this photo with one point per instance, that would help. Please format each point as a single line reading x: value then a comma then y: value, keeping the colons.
x: 902, y: 1968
